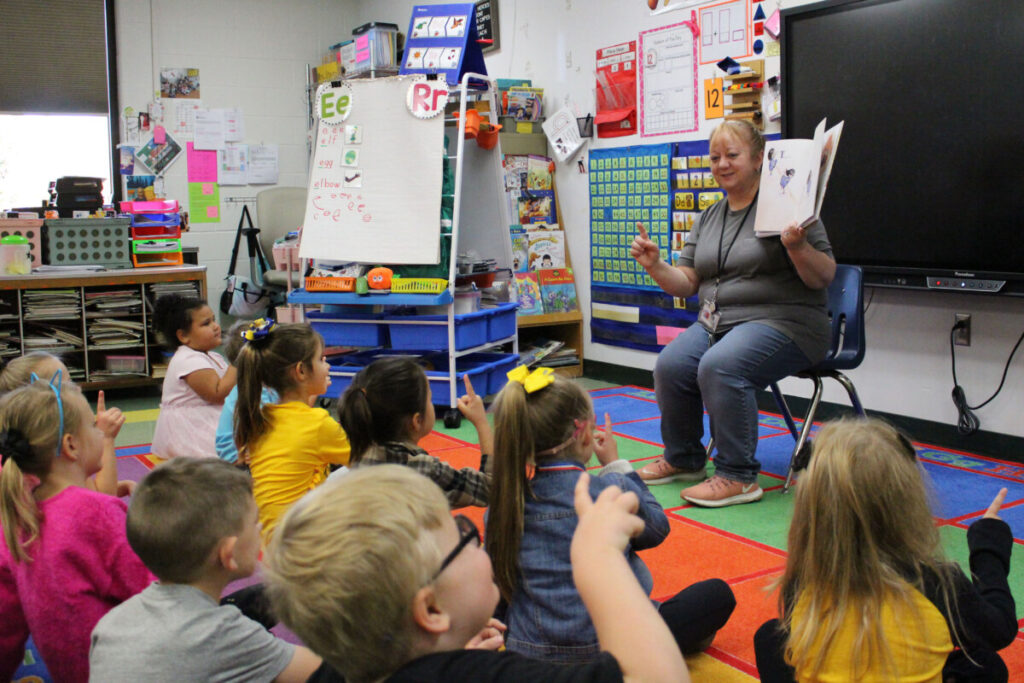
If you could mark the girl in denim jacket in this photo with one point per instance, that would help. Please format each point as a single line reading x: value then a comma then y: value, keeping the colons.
x: 545, y: 432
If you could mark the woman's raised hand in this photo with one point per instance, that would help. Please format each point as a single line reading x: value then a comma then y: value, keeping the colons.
x: 643, y: 249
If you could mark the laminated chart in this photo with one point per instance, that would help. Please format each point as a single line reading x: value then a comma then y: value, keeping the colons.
x: 668, y: 80
x: 627, y: 185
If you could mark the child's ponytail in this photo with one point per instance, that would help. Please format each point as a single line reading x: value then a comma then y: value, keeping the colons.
x: 267, y: 360
x: 513, y: 453
x: 29, y: 442
x: 528, y: 427
x: 380, y: 402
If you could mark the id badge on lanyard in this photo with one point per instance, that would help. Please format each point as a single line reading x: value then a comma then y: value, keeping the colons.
x: 708, y: 316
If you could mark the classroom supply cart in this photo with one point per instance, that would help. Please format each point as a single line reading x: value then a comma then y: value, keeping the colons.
x: 452, y: 344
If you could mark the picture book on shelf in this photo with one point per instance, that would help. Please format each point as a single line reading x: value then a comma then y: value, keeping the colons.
x: 538, y: 176
x: 516, y: 169
x: 523, y: 103
x: 545, y: 248
x: 528, y: 294
x: 520, y: 249
x: 558, y: 290
x: 794, y: 176
x: 537, y: 206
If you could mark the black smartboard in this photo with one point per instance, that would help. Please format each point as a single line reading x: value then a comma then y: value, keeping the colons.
x: 929, y: 176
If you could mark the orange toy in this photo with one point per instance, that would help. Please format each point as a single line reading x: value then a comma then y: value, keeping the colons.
x: 379, y: 278
x: 487, y: 138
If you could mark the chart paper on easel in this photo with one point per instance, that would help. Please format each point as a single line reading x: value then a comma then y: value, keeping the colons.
x: 375, y: 183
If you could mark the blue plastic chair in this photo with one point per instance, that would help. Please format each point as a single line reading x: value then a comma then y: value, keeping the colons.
x: 846, y: 316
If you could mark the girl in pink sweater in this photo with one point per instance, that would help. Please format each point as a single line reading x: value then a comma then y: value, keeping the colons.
x: 65, y: 560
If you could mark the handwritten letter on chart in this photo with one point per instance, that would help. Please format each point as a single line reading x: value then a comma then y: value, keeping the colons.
x: 375, y: 184
x: 668, y: 80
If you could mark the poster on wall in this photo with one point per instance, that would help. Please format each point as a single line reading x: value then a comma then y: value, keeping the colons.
x: 724, y: 31
x: 386, y: 207
x: 668, y: 80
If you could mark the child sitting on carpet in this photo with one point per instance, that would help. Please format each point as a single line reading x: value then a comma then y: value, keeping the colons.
x: 197, y: 378
x: 386, y: 532
x: 867, y: 594
x: 388, y: 408
x: 225, y: 438
x: 175, y: 629
x: 545, y: 424
x: 65, y: 560
x: 289, y: 444
x: 19, y: 371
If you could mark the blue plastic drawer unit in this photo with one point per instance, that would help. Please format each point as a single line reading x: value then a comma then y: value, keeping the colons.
x: 337, y: 333
x: 471, y: 329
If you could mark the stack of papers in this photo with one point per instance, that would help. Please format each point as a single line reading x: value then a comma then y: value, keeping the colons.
x: 115, y: 332
x: 120, y: 301
x: 50, y: 338
x: 41, y: 304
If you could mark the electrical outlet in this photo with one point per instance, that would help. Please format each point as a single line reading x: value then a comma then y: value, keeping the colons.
x: 962, y: 337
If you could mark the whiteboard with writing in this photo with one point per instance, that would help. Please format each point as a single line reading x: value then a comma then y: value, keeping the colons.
x: 375, y: 181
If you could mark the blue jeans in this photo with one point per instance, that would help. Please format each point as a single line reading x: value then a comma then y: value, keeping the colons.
x: 724, y: 375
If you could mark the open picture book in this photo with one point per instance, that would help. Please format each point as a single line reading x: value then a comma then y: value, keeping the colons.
x: 794, y: 175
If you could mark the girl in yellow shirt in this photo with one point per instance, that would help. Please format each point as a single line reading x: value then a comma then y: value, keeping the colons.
x: 288, y: 445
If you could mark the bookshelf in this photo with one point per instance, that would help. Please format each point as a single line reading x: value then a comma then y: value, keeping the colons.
x: 77, y: 339
x: 563, y: 327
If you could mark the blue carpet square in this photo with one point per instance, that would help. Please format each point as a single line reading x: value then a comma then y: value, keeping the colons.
x: 959, y: 492
x: 623, y: 408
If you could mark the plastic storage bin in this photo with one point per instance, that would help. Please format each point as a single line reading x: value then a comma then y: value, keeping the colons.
x: 156, y: 225
x: 156, y: 252
x: 349, y: 333
x: 94, y: 241
x: 136, y: 364
x: 153, y: 206
x: 486, y: 371
x: 29, y: 228
x: 375, y: 47
x: 471, y: 329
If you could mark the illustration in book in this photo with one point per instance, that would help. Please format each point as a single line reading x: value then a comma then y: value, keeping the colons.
x: 546, y: 248
x: 528, y: 294
x: 793, y: 180
x: 538, y: 175
x: 558, y: 290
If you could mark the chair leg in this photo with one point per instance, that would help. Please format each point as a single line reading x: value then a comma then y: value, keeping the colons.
x: 850, y: 390
x: 787, y: 414
x: 805, y: 431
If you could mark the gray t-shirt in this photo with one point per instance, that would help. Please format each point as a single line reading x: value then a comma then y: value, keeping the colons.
x: 175, y: 632
x: 758, y: 281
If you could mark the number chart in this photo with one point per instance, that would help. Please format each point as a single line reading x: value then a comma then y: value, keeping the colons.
x: 628, y: 185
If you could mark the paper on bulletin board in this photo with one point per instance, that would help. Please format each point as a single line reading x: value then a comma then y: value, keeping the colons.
x: 233, y: 164
x: 388, y: 209
x: 668, y: 80
x: 180, y: 116
x: 263, y: 164
x: 203, y: 203
x: 201, y: 165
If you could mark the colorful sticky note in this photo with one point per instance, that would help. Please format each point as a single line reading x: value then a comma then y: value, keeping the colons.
x: 207, y: 188
x: 212, y: 212
x: 160, y: 135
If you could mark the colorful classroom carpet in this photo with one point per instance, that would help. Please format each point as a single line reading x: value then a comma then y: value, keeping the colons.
x: 744, y: 545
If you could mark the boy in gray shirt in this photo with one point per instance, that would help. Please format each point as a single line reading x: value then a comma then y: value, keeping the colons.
x: 194, y: 524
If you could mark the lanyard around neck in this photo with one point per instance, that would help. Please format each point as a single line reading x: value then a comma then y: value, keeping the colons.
x: 721, y: 236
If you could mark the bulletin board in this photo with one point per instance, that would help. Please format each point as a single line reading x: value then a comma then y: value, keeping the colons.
x: 375, y: 182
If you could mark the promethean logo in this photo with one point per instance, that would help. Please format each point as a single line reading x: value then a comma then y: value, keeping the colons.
x: 959, y: 274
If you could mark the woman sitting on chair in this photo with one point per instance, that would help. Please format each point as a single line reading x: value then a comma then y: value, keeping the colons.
x: 762, y: 318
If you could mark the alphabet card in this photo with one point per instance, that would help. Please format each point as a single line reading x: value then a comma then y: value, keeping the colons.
x: 443, y: 40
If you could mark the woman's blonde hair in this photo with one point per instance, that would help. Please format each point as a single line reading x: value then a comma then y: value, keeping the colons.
x: 347, y: 560
x: 527, y: 428
x: 862, y: 535
x: 29, y: 423
x: 743, y: 131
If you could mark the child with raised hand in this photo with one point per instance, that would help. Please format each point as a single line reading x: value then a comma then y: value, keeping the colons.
x: 545, y: 424
x: 175, y: 629
x: 388, y: 408
x: 433, y: 590
x: 225, y: 438
x: 197, y: 381
x: 19, y: 372
x: 867, y: 594
x: 288, y: 445
x: 65, y: 560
